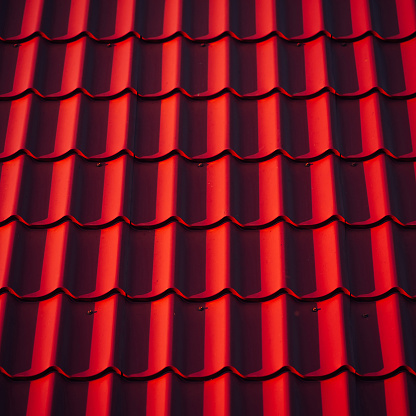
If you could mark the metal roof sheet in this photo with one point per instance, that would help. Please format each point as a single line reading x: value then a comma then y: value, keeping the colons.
x: 207, y: 207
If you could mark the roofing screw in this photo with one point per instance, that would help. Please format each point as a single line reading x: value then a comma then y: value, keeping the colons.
x: 200, y: 165
x: 315, y: 309
x: 109, y: 45
x: 201, y: 308
x: 353, y: 164
x: 203, y: 45
x: 365, y: 315
x: 308, y: 164
x: 90, y: 312
x: 16, y: 45
x: 299, y: 44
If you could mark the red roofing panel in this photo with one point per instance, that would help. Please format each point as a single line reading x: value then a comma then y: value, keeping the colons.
x: 207, y: 207
x: 246, y: 69
x: 201, y: 264
x: 203, y: 19
x: 248, y: 129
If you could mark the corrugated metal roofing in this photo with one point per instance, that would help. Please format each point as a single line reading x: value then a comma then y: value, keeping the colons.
x: 208, y: 207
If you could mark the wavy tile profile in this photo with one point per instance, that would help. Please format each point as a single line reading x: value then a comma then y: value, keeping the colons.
x: 248, y: 129
x: 207, y: 19
x: 208, y: 207
x: 141, y: 339
x: 58, y: 70
x: 148, y: 194
x: 204, y: 264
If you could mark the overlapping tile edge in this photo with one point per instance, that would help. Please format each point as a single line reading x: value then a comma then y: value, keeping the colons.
x: 276, y: 90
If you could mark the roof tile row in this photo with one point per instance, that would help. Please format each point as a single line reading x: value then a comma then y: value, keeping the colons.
x: 253, y: 339
x: 344, y: 394
x: 249, y: 129
x: 202, y: 194
x: 206, y: 69
x: 203, y: 264
x: 207, y: 19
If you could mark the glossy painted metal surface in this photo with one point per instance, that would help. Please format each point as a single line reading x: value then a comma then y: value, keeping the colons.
x: 208, y: 207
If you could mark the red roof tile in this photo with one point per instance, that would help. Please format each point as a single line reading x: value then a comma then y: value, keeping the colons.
x: 207, y: 207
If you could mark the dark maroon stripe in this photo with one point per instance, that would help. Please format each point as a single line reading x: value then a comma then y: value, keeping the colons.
x: 395, y: 120
x: 132, y: 337
x: 245, y: 261
x: 81, y: 261
x: 367, y: 398
x: 193, y: 127
x: 194, y: 67
x: 303, y: 336
x: 294, y: 127
x: 299, y: 260
x: 359, y: 261
x: 50, y: 63
x: 305, y: 397
x: 352, y: 194
x: 246, y: 336
x: 8, y: 62
x: 290, y: 17
x: 149, y: 67
x: 384, y: 18
x: 191, y: 203
x: 75, y: 336
x: 69, y: 398
x: 366, y: 354
x: 342, y: 68
x: 246, y: 397
x: 128, y: 398
x: 147, y: 134
x: 92, y: 126
x: 102, y: 18
x: 55, y: 18
x: 190, y: 261
x: 18, y: 336
x: 35, y: 190
x: 137, y: 259
x: 297, y: 191
x: 389, y: 65
x: 405, y: 255
x: 188, y: 348
x: 27, y: 260
x: 348, y: 136
x: 292, y: 76
x: 244, y: 126
x: 14, y: 396
x: 244, y: 191
x: 98, y: 66
x: 337, y: 17
x: 243, y: 67
x: 195, y: 15
x: 87, y: 191
x: 149, y: 18
x: 43, y: 121
x: 186, y: 398
x: 11, y: 18
x: 144, y: 192
x: 5, y: 107
x: 243, y: 17
x: 401, y: 189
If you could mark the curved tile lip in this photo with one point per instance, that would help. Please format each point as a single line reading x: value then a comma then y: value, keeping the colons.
x: 226, y: 219
x: 205, y: 299
x: 15, y: 95
x: 225, y: 370
x: 5, y: 157
x: 206, y: 38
